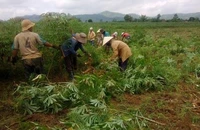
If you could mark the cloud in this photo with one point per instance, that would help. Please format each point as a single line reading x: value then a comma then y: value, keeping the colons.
x: 13, y: 8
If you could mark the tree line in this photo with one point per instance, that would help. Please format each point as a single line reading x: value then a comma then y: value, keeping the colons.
x: 144, y: 18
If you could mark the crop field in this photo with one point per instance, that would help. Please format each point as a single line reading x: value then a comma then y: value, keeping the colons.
x: 160, y: 90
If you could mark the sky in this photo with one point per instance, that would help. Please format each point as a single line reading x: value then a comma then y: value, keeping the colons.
x: 13, y: 8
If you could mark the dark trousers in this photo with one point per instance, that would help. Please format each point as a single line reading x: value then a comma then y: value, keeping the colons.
x: 71, y: 64
x: 123, y: 65
x: 33, y: 66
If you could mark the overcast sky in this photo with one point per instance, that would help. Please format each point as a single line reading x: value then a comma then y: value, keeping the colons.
x: 13, y: 8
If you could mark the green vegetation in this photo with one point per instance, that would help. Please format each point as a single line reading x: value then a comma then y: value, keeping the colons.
x: 165, y: 63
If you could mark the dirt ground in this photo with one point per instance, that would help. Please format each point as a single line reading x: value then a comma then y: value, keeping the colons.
x: 178, y: 109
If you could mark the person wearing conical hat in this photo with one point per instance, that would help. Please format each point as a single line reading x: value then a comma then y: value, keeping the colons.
x: 120, y: 50
x: 26, y: 42
x: 105, y: 34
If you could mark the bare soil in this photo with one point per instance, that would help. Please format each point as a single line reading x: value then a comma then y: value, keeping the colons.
x: 174, y: 110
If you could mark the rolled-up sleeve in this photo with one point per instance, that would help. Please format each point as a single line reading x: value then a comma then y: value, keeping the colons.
x: 40, y: 40
x: 43, y: 41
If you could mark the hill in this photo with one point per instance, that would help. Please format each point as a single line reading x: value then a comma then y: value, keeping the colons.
x: 108, y: 16
x: 181, y: 15
x: 104, y: 16
x: 32, y: 17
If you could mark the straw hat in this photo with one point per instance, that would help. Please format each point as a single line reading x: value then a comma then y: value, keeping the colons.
x: 91, y: 28
x: 106, y: 39
x: 26, y: 24
x: 81, y: 37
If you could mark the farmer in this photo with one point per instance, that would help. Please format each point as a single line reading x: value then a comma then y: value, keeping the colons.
x: 26, y: 42
x: 91, y: 36
x: 105, y: 34
x: 99, y: 38
x: 125, y: 35
x: 120, y: 50
x: 69, y: 48
x: 115, y: 34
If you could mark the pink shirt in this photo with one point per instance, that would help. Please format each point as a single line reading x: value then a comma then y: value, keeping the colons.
x: 126, y: 35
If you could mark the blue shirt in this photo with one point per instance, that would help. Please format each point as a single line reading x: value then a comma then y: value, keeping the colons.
x: 70, y: 46
x: 106, y: 34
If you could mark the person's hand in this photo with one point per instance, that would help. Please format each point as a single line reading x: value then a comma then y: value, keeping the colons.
x: 55, y: 46
x: 78, y: 55
x: 88, y: 54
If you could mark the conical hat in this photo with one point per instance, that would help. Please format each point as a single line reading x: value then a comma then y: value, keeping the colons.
x: 98, y: 31
x: 106, y: 39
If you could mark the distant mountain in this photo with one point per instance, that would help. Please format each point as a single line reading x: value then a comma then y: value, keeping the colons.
x: 181, y: 15
x: 113, y: 16
x: 134, y: 15
x: 104, y: 16
x: 94, y: 17
x: 108, y: 16
x: 33, y: 17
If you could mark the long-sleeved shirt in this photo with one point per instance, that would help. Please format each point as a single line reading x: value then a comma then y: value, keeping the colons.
x: 70, y: 46
x: 91, y: 35
x: 120, y: 49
